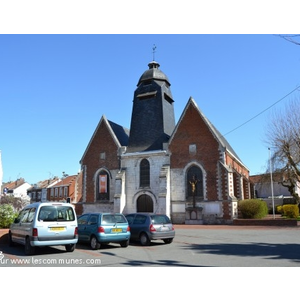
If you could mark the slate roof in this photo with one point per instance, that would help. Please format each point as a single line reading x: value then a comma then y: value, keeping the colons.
x: 153, y: 73
x: 121, y: 133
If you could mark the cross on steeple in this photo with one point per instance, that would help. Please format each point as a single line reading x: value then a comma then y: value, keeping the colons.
x: 153, y: 51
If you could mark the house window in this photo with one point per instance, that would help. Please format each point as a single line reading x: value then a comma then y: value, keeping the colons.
x: 102, y: 155
x: 103, y: 186
x: 194, y: 182
x: 144, y: 173
x: 56, y: 192
x: 192, y: 149
x: 60, y: 192
x: 65, y: 192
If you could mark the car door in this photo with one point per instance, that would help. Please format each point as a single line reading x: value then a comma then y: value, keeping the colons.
x: 92, y: 225
x: 137, y: 226
x: 22, y: 228
x: 83, y: 228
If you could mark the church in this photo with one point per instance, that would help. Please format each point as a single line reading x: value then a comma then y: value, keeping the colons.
x: 186, y: 170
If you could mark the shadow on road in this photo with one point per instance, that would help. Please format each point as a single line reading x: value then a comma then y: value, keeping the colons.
x: 266, y: 250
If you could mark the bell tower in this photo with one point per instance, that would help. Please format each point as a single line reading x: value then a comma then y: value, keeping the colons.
x: 152, y: 119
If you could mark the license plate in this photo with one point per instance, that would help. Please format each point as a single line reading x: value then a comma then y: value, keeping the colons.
x: 116, y: 230
x: 165, y: 228
x: 57, y: 228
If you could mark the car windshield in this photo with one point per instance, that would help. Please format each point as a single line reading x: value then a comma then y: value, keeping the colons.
x: 160, y: 219
x: 108, y: 219
x: 56, y: 213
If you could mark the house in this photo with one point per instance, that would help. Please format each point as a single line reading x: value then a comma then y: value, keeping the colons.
x: 186, y: 170
x: 66, y: 189
x: 38, y: 192
x: 17, y: 189
x: 262, y: 187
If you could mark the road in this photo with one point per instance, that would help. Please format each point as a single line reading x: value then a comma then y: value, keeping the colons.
x: 193, y: 246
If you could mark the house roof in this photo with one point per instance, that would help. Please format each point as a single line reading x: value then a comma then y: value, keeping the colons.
x: 66, y: 181
x: 13, y: 184
x: 261, y: 178
x: 44, y: 183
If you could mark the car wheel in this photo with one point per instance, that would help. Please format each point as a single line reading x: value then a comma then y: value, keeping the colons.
x: 168, y: 241
x: 10, y: 241
x: 70, y: 247
x: 94, y: 243
x: 124, y: 244
x: 144, y: 239
x: 28, y: 248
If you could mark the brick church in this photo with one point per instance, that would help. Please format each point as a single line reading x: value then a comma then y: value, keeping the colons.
x: 186, y: 170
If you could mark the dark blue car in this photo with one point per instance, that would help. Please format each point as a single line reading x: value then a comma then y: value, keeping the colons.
x: 145, y: 227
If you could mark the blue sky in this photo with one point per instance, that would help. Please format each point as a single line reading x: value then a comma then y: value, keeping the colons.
x: 55, y: 88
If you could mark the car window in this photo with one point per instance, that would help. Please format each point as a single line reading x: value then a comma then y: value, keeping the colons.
x: 140, y: 219
x: 22, y: 217
x: 93, y: 220
x: 160, y: 219
x: 31, y: 214
x: 108, y: 219
x: 56, y: 213
x: 130, y: 218
x: 83, y: 219
x: 120, y: 219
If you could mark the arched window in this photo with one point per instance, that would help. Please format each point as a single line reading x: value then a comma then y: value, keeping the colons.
x: 144, y: 204
x: 144, y: 173
x: 195, y: 182
x: 102, y: 189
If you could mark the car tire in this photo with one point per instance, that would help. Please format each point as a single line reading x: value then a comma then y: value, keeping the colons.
x: 168, y: 241
x: 144, y: 239
x: 10, y: 241
x: 29, y: 250
x: 94, y: 243
x: 124, y: 244
x: 70, y: 247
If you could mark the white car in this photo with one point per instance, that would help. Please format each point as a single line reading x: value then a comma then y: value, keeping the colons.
x: 45, y: 224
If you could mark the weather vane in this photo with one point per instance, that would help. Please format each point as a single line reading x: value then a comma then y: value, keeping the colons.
x: 153, y: 49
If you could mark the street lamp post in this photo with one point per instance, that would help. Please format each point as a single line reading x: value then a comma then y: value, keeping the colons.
x: 272, y: 191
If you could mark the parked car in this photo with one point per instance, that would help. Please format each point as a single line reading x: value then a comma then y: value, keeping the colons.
x: 147, y: 227
x: 45, y: 224
x: 103, y: 228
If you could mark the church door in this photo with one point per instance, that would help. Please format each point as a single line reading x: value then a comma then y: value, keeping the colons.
x: 144, y: 204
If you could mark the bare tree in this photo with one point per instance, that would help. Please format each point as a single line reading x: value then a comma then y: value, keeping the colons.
x: 283, y: 135
x: 293, y: 38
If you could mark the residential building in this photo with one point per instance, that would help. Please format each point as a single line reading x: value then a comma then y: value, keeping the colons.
x: 262, y: 187
x: 38, y: 191
x: 67, y: 189
x: 17, y: 189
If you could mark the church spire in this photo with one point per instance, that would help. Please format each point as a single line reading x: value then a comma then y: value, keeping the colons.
x: 152, y: 120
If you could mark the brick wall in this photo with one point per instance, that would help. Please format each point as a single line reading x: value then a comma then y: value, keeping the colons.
x: 193, y: 130
x: 102, y: 143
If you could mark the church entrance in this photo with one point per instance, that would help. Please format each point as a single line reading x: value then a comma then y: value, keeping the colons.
x: 144, y: 204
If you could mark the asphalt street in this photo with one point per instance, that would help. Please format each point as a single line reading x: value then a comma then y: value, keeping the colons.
x: 193, y: 246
